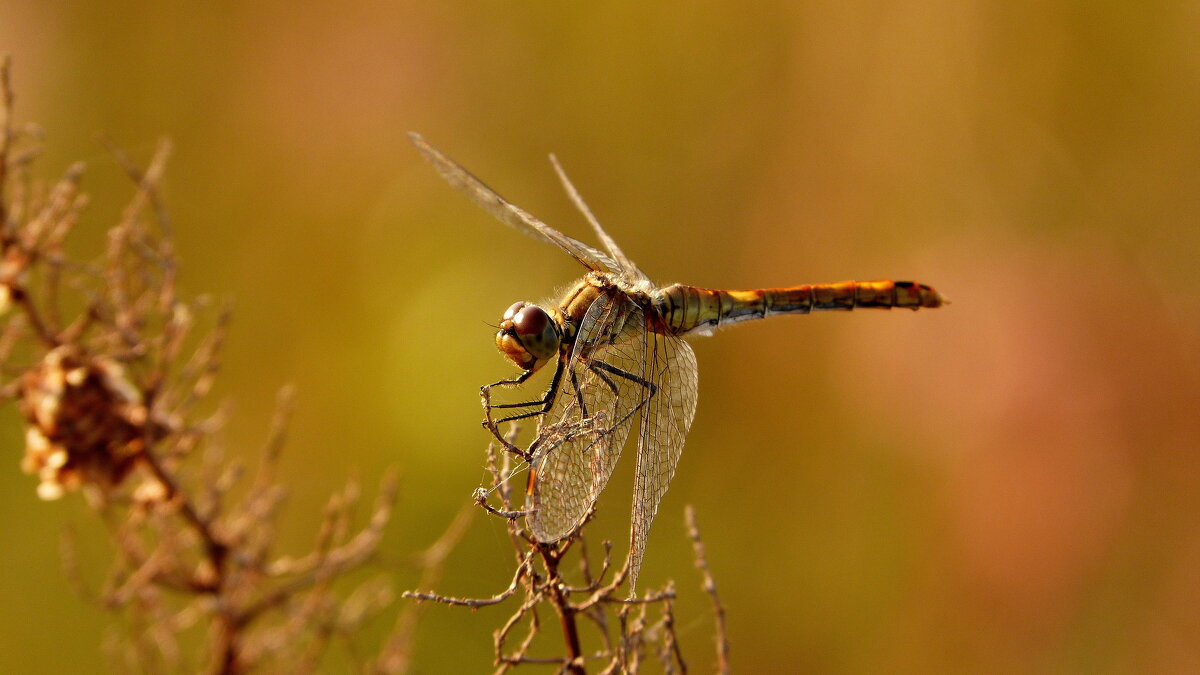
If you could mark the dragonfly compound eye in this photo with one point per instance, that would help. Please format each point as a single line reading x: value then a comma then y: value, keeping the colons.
x: 512, y: 310
x: 528, y: 336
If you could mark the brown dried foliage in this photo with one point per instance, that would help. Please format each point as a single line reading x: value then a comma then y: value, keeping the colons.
x: 111, y: 374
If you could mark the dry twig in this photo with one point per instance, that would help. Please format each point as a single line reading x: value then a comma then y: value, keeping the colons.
x: 541, y: 579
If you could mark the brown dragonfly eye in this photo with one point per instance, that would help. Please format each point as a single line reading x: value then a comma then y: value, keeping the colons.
x: 527, y: 335
x: 530, y: 321
x: 512, y: 310
x: 536, y: 331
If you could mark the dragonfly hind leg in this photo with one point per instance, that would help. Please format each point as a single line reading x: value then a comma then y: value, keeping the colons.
x: 599, y: 369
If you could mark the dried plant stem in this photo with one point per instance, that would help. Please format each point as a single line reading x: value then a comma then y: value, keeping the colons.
x: 397, y: 652
x: 6, y: 131
x: 474, y: 603
x: 551, y: 556
x: 710, y: 588
x: 540, y: 574
x: 110, y: 374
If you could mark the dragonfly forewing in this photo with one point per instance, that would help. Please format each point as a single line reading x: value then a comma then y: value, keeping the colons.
x: 507, y: 212
x: 581, y: 436
x: 628, y: 267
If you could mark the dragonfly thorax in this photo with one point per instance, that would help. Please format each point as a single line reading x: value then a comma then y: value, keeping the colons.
x: 528, y: 336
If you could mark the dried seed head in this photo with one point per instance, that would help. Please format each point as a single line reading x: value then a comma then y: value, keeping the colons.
x: 85, y: 421
x: 13, y: 265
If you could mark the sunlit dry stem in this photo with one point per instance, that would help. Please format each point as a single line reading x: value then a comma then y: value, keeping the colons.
x: 20, y: 297
x: 397, y: 652
x: 518, y: 655
x: 475, y: 603
x: 631, y: 633
x: 481, y: 501
x: 6, y: 130
x: 605, y: 563
x: 215, y: 549
x: 601, y: 593
x: 10, y: 335
x: 202, y: 368
x: 23, y: 247
x: 597, y: 616
x: 147, y: 181
x: 710, y: 588
x: 334, y: 560
x: 285, y: 402
x: 500, y: 469
x: 551, y: 555
x: 669, y: 645
x: 506, y: 440
x: 605, y: 592
x: 53, y: 255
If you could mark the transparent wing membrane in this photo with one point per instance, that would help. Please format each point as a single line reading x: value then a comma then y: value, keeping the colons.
x: 581, y: 436
x: 627, y: 266
x: 508, y: 213
x: 666, y: 419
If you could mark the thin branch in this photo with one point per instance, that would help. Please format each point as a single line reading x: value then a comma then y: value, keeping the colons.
x: 505, y: 662
x: 474, y: 603
x: 339, y: 559
x: 397, y: 652
x: 6, y: 131
x: 710, y: 587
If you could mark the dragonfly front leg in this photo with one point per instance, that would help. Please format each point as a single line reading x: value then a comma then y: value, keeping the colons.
x: 541, y: 406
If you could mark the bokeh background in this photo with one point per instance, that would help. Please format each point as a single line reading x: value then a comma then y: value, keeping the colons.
x: 1008, y: 484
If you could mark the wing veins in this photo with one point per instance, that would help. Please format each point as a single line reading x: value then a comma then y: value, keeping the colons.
x: 508, y: 213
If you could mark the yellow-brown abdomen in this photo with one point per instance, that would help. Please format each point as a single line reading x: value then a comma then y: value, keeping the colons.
x: 689, y: 308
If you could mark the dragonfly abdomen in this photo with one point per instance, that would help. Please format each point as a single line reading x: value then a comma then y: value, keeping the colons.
x: 690, y: 308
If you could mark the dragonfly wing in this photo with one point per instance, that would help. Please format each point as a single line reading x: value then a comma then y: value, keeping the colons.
x: 581, y: 436
x: 627, y: 266
x: 665, y: 422
x: 508, y: 213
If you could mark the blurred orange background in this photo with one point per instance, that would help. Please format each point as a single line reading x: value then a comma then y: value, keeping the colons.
x: 1007, y: 484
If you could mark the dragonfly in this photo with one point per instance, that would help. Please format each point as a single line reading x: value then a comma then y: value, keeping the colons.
x: 616, y: 343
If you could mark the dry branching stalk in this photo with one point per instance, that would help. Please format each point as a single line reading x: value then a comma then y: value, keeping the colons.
x: 626, y: 634
x: 111, y: 373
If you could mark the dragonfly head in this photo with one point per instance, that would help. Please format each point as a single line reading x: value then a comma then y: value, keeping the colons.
x: 528, y: 336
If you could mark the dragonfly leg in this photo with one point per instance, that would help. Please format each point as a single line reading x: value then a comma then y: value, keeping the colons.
x: 583, y: 413
x: 485, y: 393
x: 651, y: 388
x: 592, y: 366
x: 600, y: 368
x: 525, y: 375
x: 542, y: 406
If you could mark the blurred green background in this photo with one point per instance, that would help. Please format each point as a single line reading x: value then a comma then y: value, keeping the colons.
x: 1008, y: 484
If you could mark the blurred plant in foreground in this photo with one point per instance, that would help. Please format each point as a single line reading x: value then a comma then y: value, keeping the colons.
x: 111, y: 376
x: 110, y: 373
